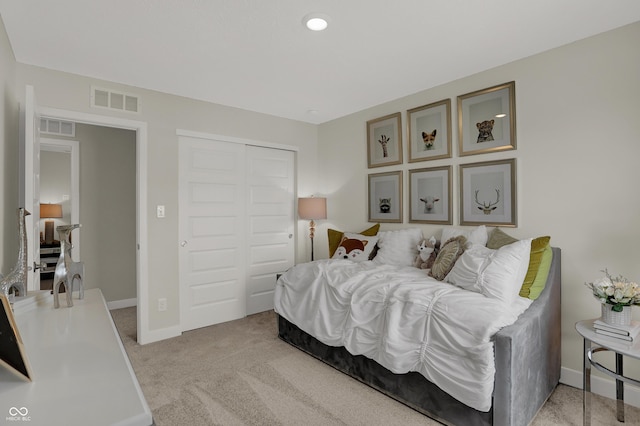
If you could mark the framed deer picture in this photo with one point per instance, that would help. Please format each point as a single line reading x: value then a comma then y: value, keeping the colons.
x: 384, y: 141
x: 430, y: 195
x: 488, y: 193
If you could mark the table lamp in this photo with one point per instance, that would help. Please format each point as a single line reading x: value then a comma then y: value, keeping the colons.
x: 50, y: 211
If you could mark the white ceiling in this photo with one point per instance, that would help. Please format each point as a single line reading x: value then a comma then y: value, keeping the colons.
x: 257, y: 55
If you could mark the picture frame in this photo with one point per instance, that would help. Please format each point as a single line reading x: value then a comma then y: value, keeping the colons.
x: 487, y: 120
x: 12, y: 351
x: 384, y: 141
x: 385, y: 197
x: 429, y: 131
x: 488, y: 193
x: 430, y: 193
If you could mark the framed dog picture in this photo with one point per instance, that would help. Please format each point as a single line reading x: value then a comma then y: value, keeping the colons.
x: 488, y: 193
x: 430, y: 195
x: 487, y: 120
x: 429, y: 131
x: 385, y: 197
x: 384, y: 141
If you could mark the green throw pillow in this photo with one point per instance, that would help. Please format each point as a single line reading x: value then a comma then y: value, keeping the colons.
x: 538, y: 246
x: 543, y: 273
x: 336, y: 236
x: 498, y: 239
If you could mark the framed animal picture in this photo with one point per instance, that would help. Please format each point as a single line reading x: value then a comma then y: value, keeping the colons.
x: 488, y: 193
x: 487, y: 120
x: 430, y: 195
x: 384, y: 141
x: 429, y: 131
x: 385, y: 197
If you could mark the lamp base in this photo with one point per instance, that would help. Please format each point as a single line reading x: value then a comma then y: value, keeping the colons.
x: 312, y: 249
x: 48, y: 232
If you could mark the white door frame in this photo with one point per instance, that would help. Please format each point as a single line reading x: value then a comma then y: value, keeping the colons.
x: 142, y: 259
x: 72, y: 148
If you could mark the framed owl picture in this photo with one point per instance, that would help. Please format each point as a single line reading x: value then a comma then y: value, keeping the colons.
x: 487, y: 120
x: 385, y: 197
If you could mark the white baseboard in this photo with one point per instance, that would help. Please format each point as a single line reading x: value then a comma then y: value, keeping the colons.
x: 151, y: 335
x: 600, y: 386
x: 119, y: 304
x: 161, y: 334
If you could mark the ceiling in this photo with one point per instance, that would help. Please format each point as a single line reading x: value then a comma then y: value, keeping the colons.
x: 257, y: 55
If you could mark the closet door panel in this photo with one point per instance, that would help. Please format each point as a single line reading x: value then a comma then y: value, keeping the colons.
x: 270, y: 219
x: 212, y: 232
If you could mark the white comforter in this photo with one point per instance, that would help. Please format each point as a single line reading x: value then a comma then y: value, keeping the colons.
x: 402, y: 319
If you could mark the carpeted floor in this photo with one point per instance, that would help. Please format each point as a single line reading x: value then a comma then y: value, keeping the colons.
x: 240, y: 373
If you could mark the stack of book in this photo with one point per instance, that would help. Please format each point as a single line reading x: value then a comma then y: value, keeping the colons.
x: 628, y: 333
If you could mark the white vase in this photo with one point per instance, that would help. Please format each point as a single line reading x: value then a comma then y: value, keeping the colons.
x: 616, y: 318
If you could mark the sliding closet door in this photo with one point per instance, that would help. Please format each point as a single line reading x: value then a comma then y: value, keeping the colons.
x: 212, y: 232
x: 236, y: 226
x: 270, y: 219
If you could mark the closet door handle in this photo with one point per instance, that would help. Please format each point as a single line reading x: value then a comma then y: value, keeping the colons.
x: 290, y: 236
x: 183, y: 243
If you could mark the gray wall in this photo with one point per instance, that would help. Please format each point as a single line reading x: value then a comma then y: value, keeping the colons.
x: 108, y: 209
x: 164, y: 114
x: 55, y: 182
x: 577, y: 112
x: 9, y: 114
x: 107, y: 179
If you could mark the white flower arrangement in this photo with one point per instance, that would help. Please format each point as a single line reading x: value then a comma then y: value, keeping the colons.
x: 616, y: 291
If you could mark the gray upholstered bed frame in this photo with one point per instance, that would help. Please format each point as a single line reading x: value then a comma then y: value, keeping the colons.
x: 527, y: 355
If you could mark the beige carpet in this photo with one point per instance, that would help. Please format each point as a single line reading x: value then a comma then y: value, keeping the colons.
x: 240, y: 373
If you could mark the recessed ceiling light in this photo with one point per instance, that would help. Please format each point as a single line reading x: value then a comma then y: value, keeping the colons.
x: 316, y: 21
x: 501, y: 115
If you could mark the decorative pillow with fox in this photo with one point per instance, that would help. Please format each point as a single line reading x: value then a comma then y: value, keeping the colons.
x: 355, y: 247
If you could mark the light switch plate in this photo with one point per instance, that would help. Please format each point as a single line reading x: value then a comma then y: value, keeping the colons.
x: 160, y: 211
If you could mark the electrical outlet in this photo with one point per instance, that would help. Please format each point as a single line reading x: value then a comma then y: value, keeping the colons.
x: 162, y: 304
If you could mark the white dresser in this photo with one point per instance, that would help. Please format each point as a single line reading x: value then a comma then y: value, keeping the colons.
x: 81, y: 372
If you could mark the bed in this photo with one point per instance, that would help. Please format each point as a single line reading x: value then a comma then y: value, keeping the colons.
x: 516, y: 362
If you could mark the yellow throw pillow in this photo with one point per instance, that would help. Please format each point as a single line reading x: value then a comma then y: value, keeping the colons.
x: 541, y: 277
x: 538, y: 246
x: 336, y: 236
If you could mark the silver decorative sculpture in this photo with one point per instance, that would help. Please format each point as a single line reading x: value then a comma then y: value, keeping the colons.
x: 67, y: 271
x: 17, y: 278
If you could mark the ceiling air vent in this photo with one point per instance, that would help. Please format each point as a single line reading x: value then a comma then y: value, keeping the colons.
x: 119, y: 101
x: 57, y: 127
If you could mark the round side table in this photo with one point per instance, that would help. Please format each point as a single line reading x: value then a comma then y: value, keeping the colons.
x: 593, y: 343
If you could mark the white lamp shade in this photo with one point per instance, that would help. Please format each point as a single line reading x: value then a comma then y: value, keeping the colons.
x: 312, y: 208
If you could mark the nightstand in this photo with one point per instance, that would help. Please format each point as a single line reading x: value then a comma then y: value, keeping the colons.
x: 49, y: 254
x: 593, y: 343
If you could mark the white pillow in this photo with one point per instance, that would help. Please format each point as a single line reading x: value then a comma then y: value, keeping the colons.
x: 477, y: 235
x: 398, y: 248
x: 495, y: 273
x: 355, y: 247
